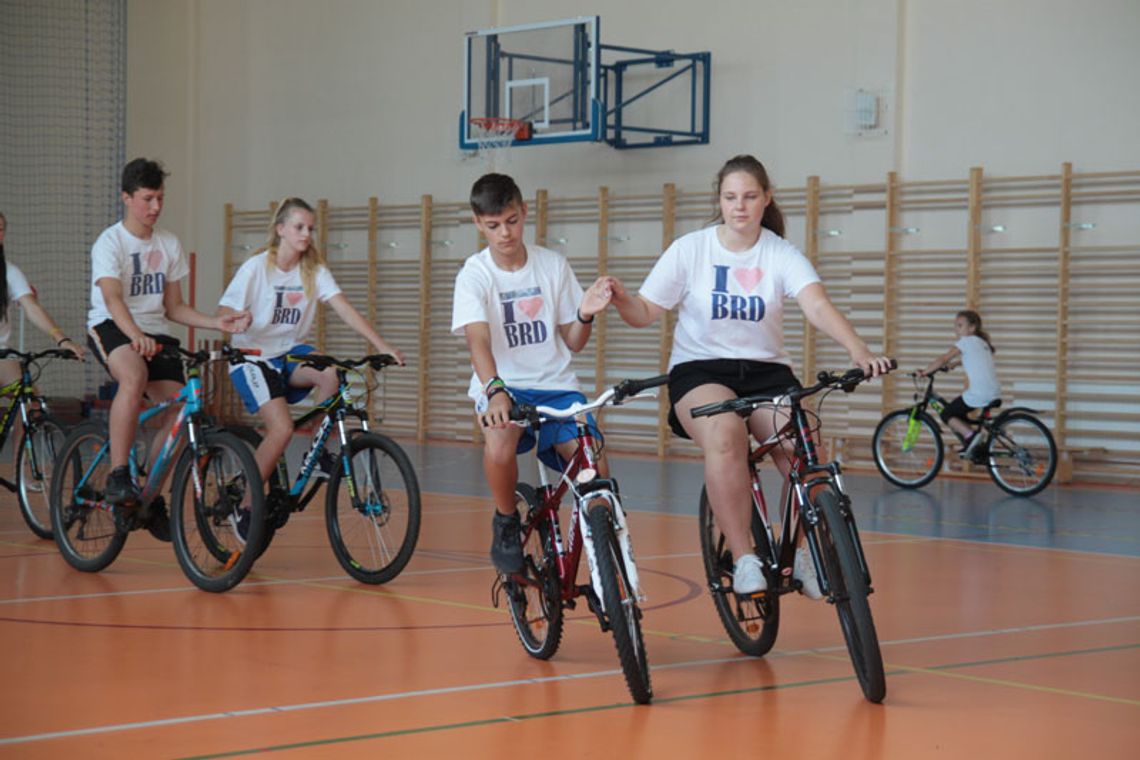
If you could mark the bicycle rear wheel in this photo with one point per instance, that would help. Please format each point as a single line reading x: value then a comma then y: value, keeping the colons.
x: 752, y: 622
x: 373, y: 522
x: 536, y: 605
x: 1021, y: 455
x: 83, y: 525
x: 908, y: 452
x: 848, y: 591
x: 214, y: 528
x: 622, y: 611
x: 35, y: 460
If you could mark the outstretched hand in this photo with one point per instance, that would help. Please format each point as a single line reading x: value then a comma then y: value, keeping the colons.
x: 596, y: 298
x: 235, y: 322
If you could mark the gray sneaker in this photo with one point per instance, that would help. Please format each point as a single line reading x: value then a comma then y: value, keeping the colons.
x: 506, y: 545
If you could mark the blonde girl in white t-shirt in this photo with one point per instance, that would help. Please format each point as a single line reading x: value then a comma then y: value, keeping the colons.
x: 281, y: 285
x: 974, y: 350
x: 728, y: 283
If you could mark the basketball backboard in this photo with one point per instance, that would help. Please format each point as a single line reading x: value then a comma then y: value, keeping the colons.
x: 545, y: 74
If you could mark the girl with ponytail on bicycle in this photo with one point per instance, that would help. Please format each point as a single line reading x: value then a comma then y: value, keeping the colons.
x: 728, y: 282
x: 975, y: 351
x: 281, y: 285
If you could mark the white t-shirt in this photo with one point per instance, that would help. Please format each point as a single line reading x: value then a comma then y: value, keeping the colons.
x: 282, y: 313
x: 144, y: 267
x: 18, y: 287
x: 523, y: 309
x: 978, y: 361
x: 731, y: 304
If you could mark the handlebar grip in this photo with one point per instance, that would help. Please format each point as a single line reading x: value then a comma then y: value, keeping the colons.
x: 627, y: 388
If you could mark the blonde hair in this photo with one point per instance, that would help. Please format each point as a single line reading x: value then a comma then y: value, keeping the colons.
x: 312, y: 258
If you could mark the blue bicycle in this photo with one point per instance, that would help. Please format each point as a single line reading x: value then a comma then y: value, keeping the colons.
x: 215, y: 478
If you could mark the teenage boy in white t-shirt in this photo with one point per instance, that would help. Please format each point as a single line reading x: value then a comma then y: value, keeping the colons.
x: 523, y: 314
x: 136, y: 274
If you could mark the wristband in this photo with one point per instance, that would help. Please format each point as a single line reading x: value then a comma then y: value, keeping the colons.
x: 494, y: 382
x: 496, y: 391
x: 61, y: 341
x: 578, y: 314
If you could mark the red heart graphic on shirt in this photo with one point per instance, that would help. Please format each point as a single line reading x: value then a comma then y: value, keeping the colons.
x: 748, y: 277
x: 530, y: 306
x: 154, y: 260
x: 294, y: 298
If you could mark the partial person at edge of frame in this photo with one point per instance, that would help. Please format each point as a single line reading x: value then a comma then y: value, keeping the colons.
x: 728, y: 282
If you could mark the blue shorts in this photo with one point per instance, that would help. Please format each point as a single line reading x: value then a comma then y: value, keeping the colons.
x: 553, y: 432
x: 258, y: 382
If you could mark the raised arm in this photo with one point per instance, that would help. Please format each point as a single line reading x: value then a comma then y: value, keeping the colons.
x: 634, y: 310
x: 177, y: 310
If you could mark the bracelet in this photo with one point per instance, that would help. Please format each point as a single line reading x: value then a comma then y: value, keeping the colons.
x: 61, y: 341
x: 496, y: 391
x: 494, y: 382
x: 578, y: 314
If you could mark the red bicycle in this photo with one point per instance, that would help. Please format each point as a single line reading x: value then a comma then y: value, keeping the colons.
x: 548, y: 583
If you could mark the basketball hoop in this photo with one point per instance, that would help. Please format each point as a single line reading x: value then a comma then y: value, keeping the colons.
x: 492, y: 135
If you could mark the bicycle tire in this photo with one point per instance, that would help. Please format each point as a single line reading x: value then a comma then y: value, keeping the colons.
x: 908, y: 459
x: 752, y: 623
x: 373, y: 528
x: 848, y: 591
x: 44, y: 437
x: 207, y: 543
x: 88, y: 536
x: 1022, y: 441
x: 621, y: 605
x: 536, y: 610
x: 273, y: 519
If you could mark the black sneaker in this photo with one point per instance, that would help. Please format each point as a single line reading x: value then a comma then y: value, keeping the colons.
x: 158, y: 522
x: 506, y: 547
x: 326, y: 463
x: 121, y: 490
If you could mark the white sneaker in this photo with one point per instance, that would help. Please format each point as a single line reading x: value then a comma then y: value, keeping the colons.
x: 748, y: 575
x: 804, y: 572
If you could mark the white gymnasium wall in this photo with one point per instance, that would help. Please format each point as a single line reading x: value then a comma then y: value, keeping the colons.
x: 247, y: 101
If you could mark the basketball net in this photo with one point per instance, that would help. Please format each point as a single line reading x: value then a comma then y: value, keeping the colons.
x: 492, y: 137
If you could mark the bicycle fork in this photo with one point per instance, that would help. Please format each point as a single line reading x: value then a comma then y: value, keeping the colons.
x: 628, y: 566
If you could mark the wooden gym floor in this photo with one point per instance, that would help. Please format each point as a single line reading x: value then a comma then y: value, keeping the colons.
x: 1009, y: 628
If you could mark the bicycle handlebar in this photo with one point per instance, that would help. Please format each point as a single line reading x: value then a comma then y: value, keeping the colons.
x: 745, y: 405
x: 529, y: 414
x: 51, y: 353
x: 322, y: 361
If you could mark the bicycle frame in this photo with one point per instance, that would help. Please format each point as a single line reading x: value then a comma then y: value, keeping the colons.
x: 569, y: 553
x: 23, y: 393
x: 796, y: 501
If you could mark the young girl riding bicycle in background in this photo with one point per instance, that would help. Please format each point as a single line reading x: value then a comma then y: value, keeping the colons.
x: 281, y: 285
x: 975, y: 351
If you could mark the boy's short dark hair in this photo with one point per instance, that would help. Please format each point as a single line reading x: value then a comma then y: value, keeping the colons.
x: 142, y: 172
x: 492, y: 193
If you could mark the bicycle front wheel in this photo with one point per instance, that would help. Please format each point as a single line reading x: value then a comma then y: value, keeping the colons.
x: 373, y: 513
x: 216, y: 525
x: 621, y: 604
x: 84, y: 525
x: 752, y: 622
x: 1021, y: 456
x: 35, y: 460
x: 848, y: 589
x: 535, y: 602
x: 908, y: 452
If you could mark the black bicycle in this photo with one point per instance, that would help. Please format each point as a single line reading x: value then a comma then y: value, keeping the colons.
x: 1017, y: 448
x: 372, y: 505
x: 42, y: 437
x: 815, y: 507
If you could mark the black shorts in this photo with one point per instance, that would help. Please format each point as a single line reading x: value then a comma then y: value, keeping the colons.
x: 106, y: 336
x: 957, y: 408
x: 743, y: 377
